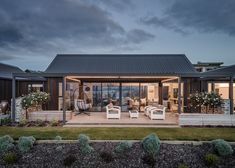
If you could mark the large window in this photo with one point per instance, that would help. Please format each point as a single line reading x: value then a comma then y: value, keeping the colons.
x: 130, y: 96
x: 110, y: 94
x: 127, y: 95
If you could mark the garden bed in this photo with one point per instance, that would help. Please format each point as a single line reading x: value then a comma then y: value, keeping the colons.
x: 53, y: 155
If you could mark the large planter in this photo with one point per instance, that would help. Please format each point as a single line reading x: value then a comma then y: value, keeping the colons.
x: 198, y: 119
x: 49, y: 115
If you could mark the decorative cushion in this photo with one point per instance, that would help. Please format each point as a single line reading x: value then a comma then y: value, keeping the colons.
x: 81, y: 104
x: 110, y: 105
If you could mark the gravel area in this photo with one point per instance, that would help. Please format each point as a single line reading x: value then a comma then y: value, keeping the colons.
x: 53, y: 155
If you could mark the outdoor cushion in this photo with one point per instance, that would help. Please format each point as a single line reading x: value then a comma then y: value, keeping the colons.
x: 157, y: 112
x: 110, y: 105
x: 113, y: 112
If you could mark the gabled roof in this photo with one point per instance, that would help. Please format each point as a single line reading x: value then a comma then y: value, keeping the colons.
x: 224, y: 71
x: 121, y: 64
x: 7, y: 70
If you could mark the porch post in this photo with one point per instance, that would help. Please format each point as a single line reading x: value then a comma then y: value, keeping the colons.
x: 231, y: 94
x: 13, y: 98
x: 185, y: 94
x: 179, y: 95
x: 160, y: 92
x: 63, y: 94
x: 213, y: 86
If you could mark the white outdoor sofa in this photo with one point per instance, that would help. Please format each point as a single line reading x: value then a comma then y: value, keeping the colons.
x: 113, y: 111
x: 155, y: 112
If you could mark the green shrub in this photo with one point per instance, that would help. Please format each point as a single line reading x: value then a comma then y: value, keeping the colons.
x: 5, y: 121
x: 222, y: 147
x: 58, y: 139
x: 107, y: 156
x: 151, y: 144
x: 23, y: 123
x: 211, y: 159
x: 54, y: 123
x: 10, y: 158
x: 84, y: 144
x: 6, y: 143
x: 40, y: 123
x: 123, y: 146
x: 59, y: 148
x: 26, y: 143
x: 182, y: 165
x: 69, y: 160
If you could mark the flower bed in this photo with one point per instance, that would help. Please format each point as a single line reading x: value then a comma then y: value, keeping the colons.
x: 103, y: 155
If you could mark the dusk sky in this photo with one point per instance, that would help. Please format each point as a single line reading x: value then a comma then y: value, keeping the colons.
x: 32, y: 32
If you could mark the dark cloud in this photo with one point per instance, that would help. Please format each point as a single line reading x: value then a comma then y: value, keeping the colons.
x: 61, y: 26
x: 205, y: 16
x: 162, y: 22
x: 137, y: 36
x: 117, y: 4
x: 9, y: 34
x: 7, y: 57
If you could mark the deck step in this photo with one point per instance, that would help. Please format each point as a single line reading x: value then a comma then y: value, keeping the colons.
x: 123, y: 125
x: 103, y: 124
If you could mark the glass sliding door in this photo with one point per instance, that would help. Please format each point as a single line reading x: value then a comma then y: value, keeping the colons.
x: 110, y: 94
x: 130, y: 96
x: 148, y: 94
x: 97, y: 99
x: 94, y: 95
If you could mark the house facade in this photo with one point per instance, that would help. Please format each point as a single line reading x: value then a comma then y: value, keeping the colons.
x: 126, y: 80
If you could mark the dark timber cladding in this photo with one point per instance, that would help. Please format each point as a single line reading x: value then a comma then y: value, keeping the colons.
x: 121, y: 64
x: 6, y: 80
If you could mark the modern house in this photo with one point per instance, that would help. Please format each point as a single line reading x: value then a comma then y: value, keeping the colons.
x: 6, y: 72
x: 23, y: 85
x: 126, y: 80
x: 207, y: 66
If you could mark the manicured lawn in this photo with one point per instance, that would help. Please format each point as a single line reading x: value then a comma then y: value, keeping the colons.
x: 122, y: 133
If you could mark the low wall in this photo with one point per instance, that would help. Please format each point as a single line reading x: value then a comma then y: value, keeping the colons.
x: 49, y: 115
x: 206, y: 120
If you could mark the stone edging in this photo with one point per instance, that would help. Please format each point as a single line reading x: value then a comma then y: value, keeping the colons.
x: 163, y: 141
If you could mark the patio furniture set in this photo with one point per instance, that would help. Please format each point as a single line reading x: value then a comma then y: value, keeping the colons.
x: 114, y: 112
x: 153, y: 112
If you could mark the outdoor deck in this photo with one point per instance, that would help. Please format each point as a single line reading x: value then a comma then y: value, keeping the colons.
x: 99, y: 118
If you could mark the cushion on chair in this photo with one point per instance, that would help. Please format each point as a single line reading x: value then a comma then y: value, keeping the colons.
x: 110, y: 105
x: 82, y: 105
x: 113, y: 112
x: 157, y: 112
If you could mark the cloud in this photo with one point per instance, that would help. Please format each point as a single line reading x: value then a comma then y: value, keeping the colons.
x: 52, y: 26
x: 137, y: 36
x: 9, y: 34
x: 186, y: 16
x: 204, y: 16
x: 162, y: 22
x: 7, y: 57
x: 118, y: 5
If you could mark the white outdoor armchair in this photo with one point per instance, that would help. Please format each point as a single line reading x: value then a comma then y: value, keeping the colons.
x: 113, y: 111
x: 147, y: 109
x: 157, y: 113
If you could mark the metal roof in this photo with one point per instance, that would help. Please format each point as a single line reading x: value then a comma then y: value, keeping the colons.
x: 224, y: 71
x: 121, y: 64
x: 6, y: 71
